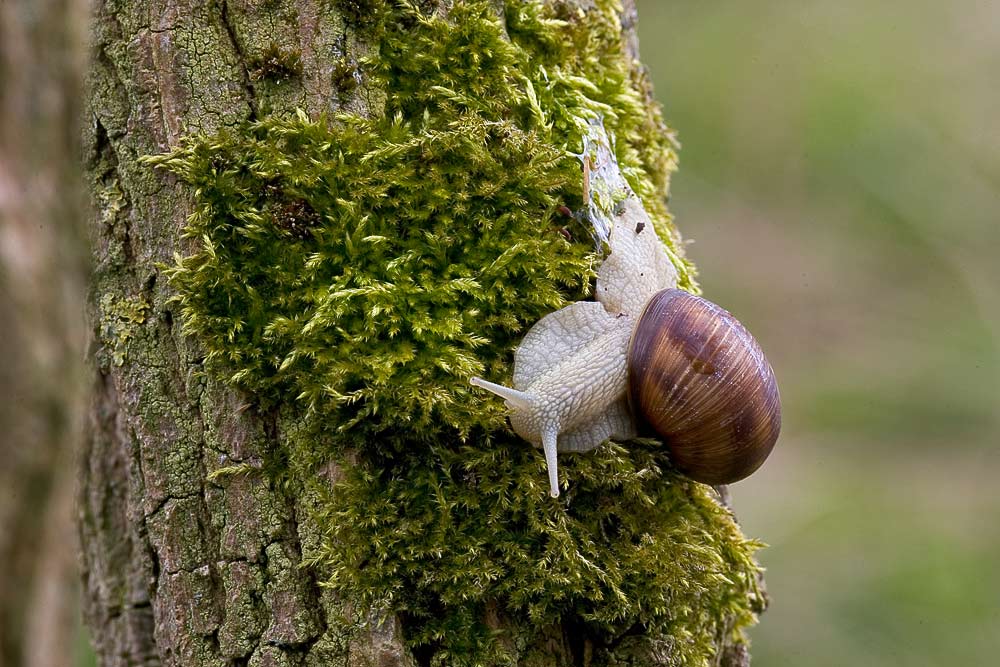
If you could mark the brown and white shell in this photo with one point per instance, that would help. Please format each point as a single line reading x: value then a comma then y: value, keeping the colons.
x: 700, y: 381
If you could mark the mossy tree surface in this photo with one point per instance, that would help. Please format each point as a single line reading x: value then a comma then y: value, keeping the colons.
x: 351, y: 209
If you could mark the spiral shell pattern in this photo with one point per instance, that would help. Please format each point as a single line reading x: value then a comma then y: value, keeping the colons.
x: 701, y: 382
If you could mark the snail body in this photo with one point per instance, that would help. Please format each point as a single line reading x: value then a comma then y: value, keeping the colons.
x: 644, y: 355
x: 569, y: 380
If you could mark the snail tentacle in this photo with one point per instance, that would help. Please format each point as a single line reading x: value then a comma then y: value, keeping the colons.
x: 550, y: 438
x: 516, y: 399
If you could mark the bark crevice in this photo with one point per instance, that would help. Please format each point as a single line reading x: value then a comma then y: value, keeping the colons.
x: 251, y: 94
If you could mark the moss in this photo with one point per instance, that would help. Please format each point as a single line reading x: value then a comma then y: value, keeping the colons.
x: 276, y: 64
x: 120, y: 319
x: 630, y: 546
x: 358, y: 12
x: 346, y: 77
x: 359, y: 271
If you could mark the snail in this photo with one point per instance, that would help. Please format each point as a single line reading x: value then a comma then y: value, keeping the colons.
x: 645, y: 356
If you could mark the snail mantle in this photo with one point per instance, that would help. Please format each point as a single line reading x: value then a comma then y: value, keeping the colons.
x: 644, y: 356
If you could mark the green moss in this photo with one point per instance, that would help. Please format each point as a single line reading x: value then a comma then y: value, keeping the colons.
x: 359, y: 271
x: 447, y: 531
x: 358, y: 12
x: 418, y: 257
x: 276, y: 64
x: 346, y: 77
x: 120, y: 318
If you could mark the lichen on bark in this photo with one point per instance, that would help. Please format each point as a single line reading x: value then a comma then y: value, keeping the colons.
x: 344, y: 274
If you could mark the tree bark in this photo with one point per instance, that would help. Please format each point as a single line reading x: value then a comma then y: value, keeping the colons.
x: 178, y: 569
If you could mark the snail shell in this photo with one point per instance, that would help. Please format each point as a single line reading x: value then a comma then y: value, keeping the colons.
x: 700, y: 381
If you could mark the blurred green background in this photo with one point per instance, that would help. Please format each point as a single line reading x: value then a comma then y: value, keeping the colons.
x: 840, y: 184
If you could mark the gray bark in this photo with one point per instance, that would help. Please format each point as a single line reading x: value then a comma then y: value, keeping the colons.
x: 178, y: 570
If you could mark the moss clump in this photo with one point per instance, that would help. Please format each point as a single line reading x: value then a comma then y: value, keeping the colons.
x: 424, y: 254
x: 448, y: 531
x: 346, y: 77
x: 276, y: 64
x: 358, y: 12
x: 120, y: 319
x: 361, y: 270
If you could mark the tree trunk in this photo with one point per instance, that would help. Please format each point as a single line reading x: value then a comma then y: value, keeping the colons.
x: 181, y: 568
